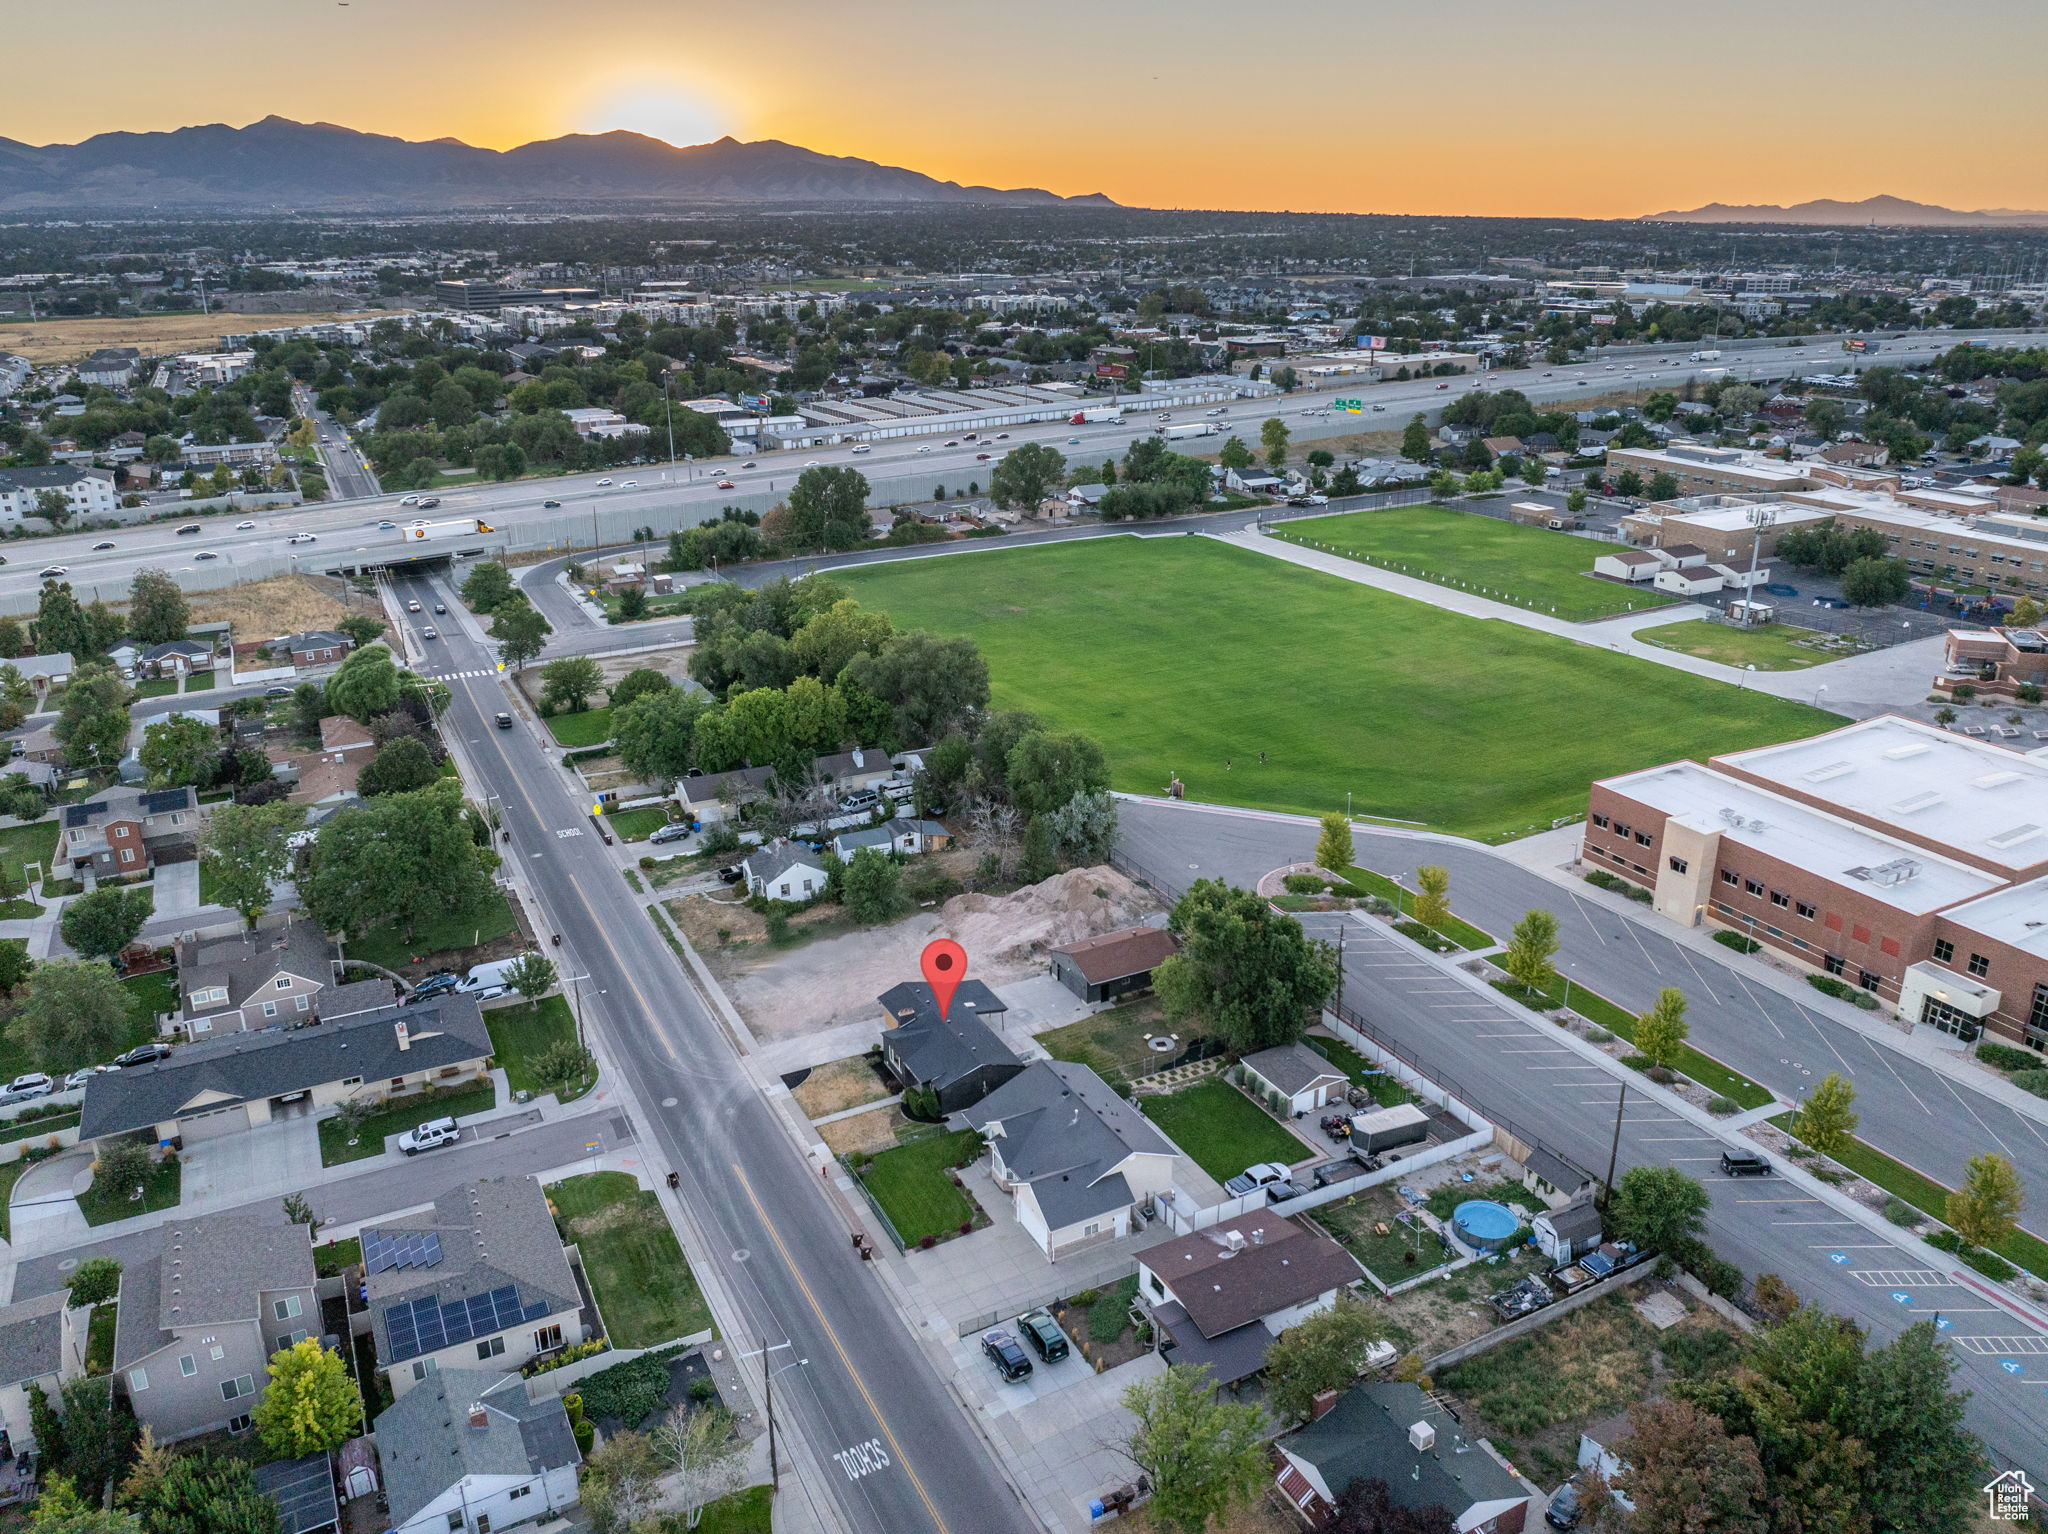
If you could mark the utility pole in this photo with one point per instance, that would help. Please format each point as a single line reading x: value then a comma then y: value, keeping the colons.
x: 768, y: 1389
x: 1614, y: 1149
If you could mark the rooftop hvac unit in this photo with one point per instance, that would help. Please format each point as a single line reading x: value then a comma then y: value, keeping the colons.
x: 1422, y: 1438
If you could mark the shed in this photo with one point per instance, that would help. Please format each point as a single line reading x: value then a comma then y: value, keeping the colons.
x: 1296, y: 1074
x: 1549, y: 1175
x: 1113, y: 964
x: 1563, y: 1234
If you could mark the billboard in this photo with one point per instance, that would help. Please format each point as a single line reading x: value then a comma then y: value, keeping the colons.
x: 1371, y: 343
x: 1112, y: 370
x: 758, y: 403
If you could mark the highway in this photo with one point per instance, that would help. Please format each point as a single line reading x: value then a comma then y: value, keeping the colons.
x: 591, y: 511
x: 909, y: 1459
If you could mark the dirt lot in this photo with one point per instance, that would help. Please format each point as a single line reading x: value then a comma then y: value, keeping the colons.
x: 152, y: 335
x: 673, y: 664
x: 834, y: 980
x: 838, y: 1085
x: 284, y: 604
x: 872, y: 1131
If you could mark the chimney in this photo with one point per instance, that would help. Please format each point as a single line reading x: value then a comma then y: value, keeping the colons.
x: 859, y: 757
x: 1322, y: 1403
x: 404, y: 1035
x: 1421, y: 1437
x: 479, y: 1417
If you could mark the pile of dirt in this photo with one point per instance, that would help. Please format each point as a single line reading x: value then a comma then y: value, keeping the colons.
x: 1016, y: 929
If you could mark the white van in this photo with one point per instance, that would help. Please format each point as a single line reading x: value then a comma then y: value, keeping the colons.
x: 487, y: 982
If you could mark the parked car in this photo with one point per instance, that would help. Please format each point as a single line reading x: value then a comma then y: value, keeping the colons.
x: 504, y: 721
x: 1253, y: 1178
x: 674, y: 831
x: 431, y: 1135
x: 731, y: 875
x: 487, y: 982
x: 77, y: 1080
x: 142, y: 1054
x: 438, y: 984
x: 859, y: 803
x: 1564, y: 1511
x: 30, y: 1084
x: 1044, y: 1335
x: 1745, y: 1164
x: 1003, y: 1352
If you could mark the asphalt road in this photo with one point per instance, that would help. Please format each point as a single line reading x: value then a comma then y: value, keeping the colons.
x: 760, y: 1210
x: 1504, y: 1065
x: 669, y: 496
x: 349, y: 476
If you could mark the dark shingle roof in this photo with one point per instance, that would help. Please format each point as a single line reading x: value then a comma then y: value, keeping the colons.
x: 240, y: 964
x: 32, y: 1337
x: 1064, y: 1132
x: 1279, y: 1263
x: 1366, y: 1435
x: 426, y: 1443
x: 941, y: 1052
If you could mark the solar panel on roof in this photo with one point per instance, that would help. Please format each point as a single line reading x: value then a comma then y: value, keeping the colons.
x: 385, y: 1250
x: 426, y: 1326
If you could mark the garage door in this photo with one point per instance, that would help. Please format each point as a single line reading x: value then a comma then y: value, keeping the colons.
x: 221, y: 1121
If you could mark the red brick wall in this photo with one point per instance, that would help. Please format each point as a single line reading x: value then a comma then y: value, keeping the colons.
x: 2014, y: 972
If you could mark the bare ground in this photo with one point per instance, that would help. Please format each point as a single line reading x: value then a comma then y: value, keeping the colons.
x: 284, y: 604
x: 871, y: 1131
x: 838, y: 1085
x: 834, y: 980
x: 63, y: 339
x: 673, y: 664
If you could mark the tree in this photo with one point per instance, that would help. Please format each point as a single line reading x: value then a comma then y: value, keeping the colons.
x: 1432, y: 906
x: 872, y: 887
x: 60, y: 1510
x: 1628, y: 483
x: 57, y: 618
x: 54, y: 505
x: 1875, y: 582
x: 1027, y: 475
x: 1663, y: 486
x: 825, y: 644
x: 1084, y: 829
x: 1686, y: 1475
x: 21, y: 798
x: 632, y: 604
x: 1530, y: 949
x: 653, y: 734
x: 1045, y: 770
x: 1200, y: 1453
x: 310, y: 1405
x: 1827, y: 1121
x: 828, y: 508
x: 2025, y: 614
x: 1415, y: 440
x: 1926, y: 1467
x: 929, y: 684
x: 1249, y: 970
x: 1334, y: 850
x: 93, y: 720
x: 704, y: 1455
x: 520, y: 630
x: 1040, y: 857
x: 1658, y: 1208
x: 1985, y: 1210
x: 94, y: 1281
x: 309, y: 707
x: 179, y: 751
x: 532, y: 976
x: 619, y: 1478
x: 403, y: 767
x: 17, y: 698
x: 299, y: 1210
x: 1325, y: 1352
x: 99, y: 1436
x: 15, y: 964
x: 365, y: 685
x: 1575, y: 502
x: 1235, y: 455
x: 641, y: 682
x: 1273, y: 435
x: 1368, y: 1507
x: 563, y: 1066
x: 246, y: 848
x: 1662, y: 1031
x: 400, y: 858
x: 486, y: 586
x: 361, y: 628
x: 157, y: 610
x: 45, y: 1426
x: 200, y: 1494
x: 72, y: 1014
x: 13, y: 637
x: 101, y: 924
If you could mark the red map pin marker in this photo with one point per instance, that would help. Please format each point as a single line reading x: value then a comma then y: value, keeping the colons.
x: 944, y: 963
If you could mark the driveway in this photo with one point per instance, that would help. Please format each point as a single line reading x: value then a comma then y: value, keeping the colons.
x: 265, y: 1161
x: 177, y: 889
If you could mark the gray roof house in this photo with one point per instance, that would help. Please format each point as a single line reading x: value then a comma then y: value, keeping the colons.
x: 1295, y: 1077
x: 472, y: 1450
x: 480, y: 1281
x: 314, y: 647
x: 1566, y: 1233
x: 42, y: 1342
x: 199, y: 1320
x: 1075, y: 1158
x: 785, y: 870
x: 1549, y: 1176
x: 714, y: 795
x: 128, y: 830
x: 44, y: 671
x: 279, y: 975
x: 222, y: 1085
x: 1392, y: 1432
x: 960, y: 1056
x: 175, y: 655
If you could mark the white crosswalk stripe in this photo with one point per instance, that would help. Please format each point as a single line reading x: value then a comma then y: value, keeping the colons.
x: 1902, y: 1278
x: 462, y: 676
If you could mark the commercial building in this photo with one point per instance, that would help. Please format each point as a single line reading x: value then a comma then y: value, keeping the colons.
x: 1902, y: 858
x: 1703, y: 470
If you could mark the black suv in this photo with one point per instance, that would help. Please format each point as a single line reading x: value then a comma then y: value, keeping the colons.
x: 1004, y: 1353
x: 1744, y: 1164
x: 142, y: 1054
x: 1044, y: 1335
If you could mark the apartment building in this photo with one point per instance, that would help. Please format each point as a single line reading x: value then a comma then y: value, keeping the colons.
x: 1899, y: 857
x: 88, y: 492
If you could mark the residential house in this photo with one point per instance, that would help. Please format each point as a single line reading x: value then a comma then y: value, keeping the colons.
x: 1293, y: 1078
x: 715, y: 796
x: 315, y: 647
x: 111, y: 367
x: 1113, y: 964
x: 863, y: 767
x: 1855, y: 455
x: 785, y: 870
x: 1220, y: 1296
x: 222, y: 1085
x: 475, y: 1451
x: 263, y: 978
x: 322, y: 778
x: 176, y: 657
x: 1563, y: 1234
x: 341, y: 734
x: 1500, y: 447
x: 908, y: 837
x: 42, y: 1342
x: 39, y: 774
x: 128, y: 831
x: 1552, y: 1178
x: 959, y: 1057
x: 1088, y: 495
x: 88, y: 492
x: 199, y: 1320
x: 43, y: 672
x: 1394, y: 1433
x: 479, y: 1282
x: 1078, y: 1162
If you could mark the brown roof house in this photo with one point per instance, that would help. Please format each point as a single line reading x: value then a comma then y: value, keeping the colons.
x: 282, y: 975
x: 338, y: 732
x: 1220, y: 1296
x: 1113, y: 964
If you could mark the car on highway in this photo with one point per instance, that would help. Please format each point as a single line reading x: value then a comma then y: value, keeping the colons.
x: 1044, y: 1335
x: 143, y: 1054
x: 302, y: 538
x: 1549, y: 375
x: 1744, y: 1164
x: 810, y: 463
x: 1003, y: 1352
x: 408, y: 500
x: 631, y: 484
x: 1379, y: 407
x: 431, y: 1135
x: 99, y: 546
x: 430, y: 632
x: 549, y: 505
x: 983, y: 457
x: 726, y: 484
x: 674, y: 831
x: 1002, y: 436
x: 413, y: 605
x: 442, y: 608
x: 504, y: 721
x: 1443, y: 386
x: 429, y: 502
x: 243, y: 527
x: 748, y: 464
x: 189, y: 527
x: 927, y: 449
x: 277, y: 692
x: 53, y: 572
x: 206, y: 554
x: 862, y: 448
x: 952, y: 442
x: 602, y: 483
x: 386, y: 526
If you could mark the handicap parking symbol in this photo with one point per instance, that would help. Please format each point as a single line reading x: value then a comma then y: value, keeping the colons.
x: 2009, y: 1366
x: 1838, y: 1257
x: 1903, y: 1299
x: 1942, y: 1323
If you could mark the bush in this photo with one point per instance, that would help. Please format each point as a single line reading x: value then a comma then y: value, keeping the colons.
x: 1963, y: 692
x: 2006, y: 1058
x: 2027, y: 692
x: 1899, y: 1212
x: 1698, y: 1259
x: 585, y: 1434
x: 1637, y: 1062
x: 1599, y: 1036
x: 1600, y: 878
x: 1305, y: 884
x: 1737, y: 941
x: 703, y: 1388
x: 1841, y: 990
x: 1723, y: 1105
x: 629, y: 1392
x: 2032, y: 1081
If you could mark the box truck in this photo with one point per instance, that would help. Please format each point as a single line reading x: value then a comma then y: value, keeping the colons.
x: 459, y: 527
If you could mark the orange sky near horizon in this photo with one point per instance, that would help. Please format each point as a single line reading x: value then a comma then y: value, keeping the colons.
x: 1584, y: 108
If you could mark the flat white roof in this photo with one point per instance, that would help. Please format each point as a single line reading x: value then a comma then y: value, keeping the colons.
x: 2017, y: 917
x: 1968, y: 796
x: 1734, y: 462
x: 1822, y: 844
x: 1738, y: 519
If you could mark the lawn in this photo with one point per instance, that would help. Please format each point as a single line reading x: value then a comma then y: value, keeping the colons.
x: 36, y: 843
x: 409, y: 1112
x: 445, y: 934
x: 1222, y: 1129
x: 913, y: 1184
x: 637, y: 825
x: 1112, y: 1044
x: 156, y: 687
x: 1463, y: 933
x: 10, y: 1174
x: 1411, y: 710
x: 744, y: 1512
x: 332, y: 1257
x: 101, y: 1205
x: 1768, y: 646
x: 1529, y: 567
x: 99, y: 1338
x: 1386, y: 1091
x: 592, y: 727
x: 644, y: 1288
x: 1404, y: 1251
x: 520, y: 1033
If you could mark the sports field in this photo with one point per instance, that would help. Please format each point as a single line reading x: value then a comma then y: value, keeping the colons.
x: 1529, y: 567
x: 1184, y: 654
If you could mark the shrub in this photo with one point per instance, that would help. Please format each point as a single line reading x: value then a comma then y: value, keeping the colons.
x: 572, y: 1403
x: 1841, y: 990
x: 1637, y: 1062
x: 1663, y: 1075
x: 585, y: 1434
x: 926, y: 1243
x: 2027, y: 692
x: 1990, y: 1264
x: 629, y: 1392
x: 1698, y: 1259
x: 1899, y: 1212
x: 1084, y: 1298
x: 1599, y: 1036
x: 1737, y: 941
x: 1963, y: 692
x: 2032, y: 1081
x: 2006, y: 1058
x: 1305, y: 884
x: 966, y: 1227
x: 703, y: 1388
x: 1719, y: 1104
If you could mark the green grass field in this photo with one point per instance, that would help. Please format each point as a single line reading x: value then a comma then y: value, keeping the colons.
x: 1182, y: 654
x: 644, y: 1288
x: 1768, y: 646
x: 520, y: 1033
x: 636, y: 825
x: 408, y: 1112
x: 448, y: 934
x: 1530, y: 567
x: 35, y: 843
x: 1221, y: 1129
x: 914, y: 1185
x: 592, y: 727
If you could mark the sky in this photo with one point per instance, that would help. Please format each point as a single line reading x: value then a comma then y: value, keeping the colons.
x: 1581, y: 108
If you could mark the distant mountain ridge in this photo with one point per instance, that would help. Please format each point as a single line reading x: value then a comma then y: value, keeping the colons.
x: 280, y: 164
x: 1871, y: 210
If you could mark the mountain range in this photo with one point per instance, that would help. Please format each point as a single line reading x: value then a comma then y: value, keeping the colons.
x: 1871, y: 210
x: 278, y: 164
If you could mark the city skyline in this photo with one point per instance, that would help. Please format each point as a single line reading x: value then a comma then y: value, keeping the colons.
x: 1512, y: 115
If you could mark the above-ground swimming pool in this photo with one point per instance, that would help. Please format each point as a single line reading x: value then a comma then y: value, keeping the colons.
x: 1484, y: 1224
